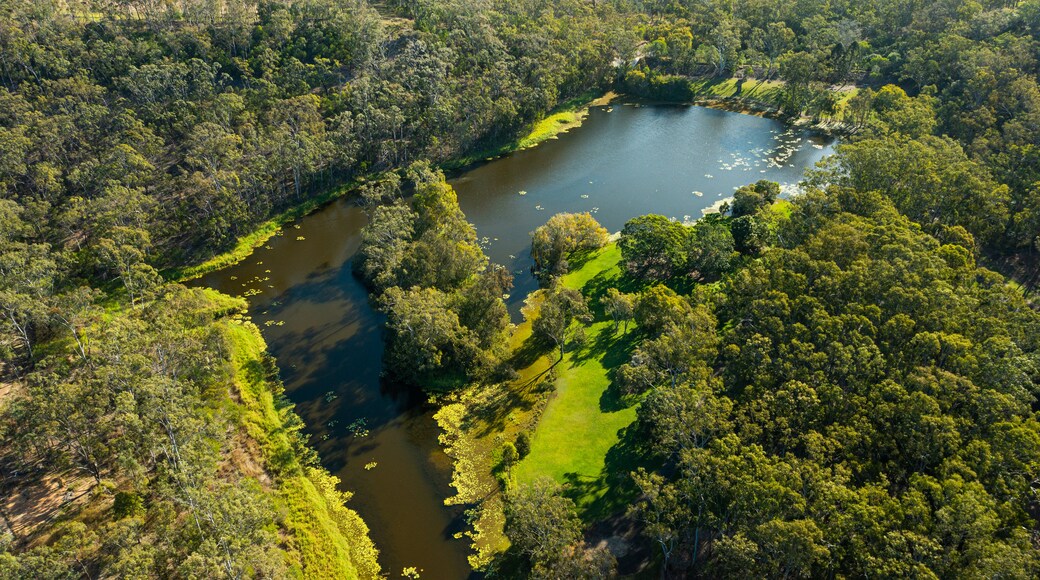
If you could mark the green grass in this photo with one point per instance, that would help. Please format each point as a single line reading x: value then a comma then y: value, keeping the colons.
x: 749, y: 89
x: 577, y: 438
x: 550, y: 127
x: 564, y: 117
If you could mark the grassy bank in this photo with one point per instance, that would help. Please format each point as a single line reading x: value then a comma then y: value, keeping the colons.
x: 479, y: 420
x: 567, y: 116
x: 258, y: 237
x: 322, y: 537
x: 753, y: 90
x: 763, y: 98
x: 563, y: 118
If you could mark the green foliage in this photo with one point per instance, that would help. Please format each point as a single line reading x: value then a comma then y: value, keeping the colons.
x: 749, y: 199
x: 652, y: 247
x: 127, y: 504
x: 858, y: 374
x: 545, y: 530
x: 561, y: 308
x: 510, y: 455
x: 147, y: 411
x: 619, y: 306
x: 750, y: 234
x: 445, y: 315
x: 653, y: 85
x: 930, y: 179
x: 562, y: 235
x: 523, y: 445
x: 711, y: 249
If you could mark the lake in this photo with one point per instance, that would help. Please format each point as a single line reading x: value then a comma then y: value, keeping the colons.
x: 380, y: 439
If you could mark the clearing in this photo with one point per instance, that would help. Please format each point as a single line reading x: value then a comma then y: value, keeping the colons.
x: 576, y: 440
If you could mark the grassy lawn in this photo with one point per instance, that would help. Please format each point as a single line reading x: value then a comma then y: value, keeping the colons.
x: 576, y: 441
x: 752, y: 89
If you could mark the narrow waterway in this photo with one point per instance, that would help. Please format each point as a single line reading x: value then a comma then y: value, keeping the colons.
x: 381, y: 440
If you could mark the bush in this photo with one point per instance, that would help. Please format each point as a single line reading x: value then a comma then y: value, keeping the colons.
x: 510, y: 455
x: 127, y: 504
x: 523, y: 444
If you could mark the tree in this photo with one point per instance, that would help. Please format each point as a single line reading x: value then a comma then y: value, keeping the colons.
x: 384, y: 242
x: 619, y: 306
x: 560, y: 309
x: 124, y: 253
x: 750, y: 234
x: 659, y: 307
x: 685, y: 416
x: 562, y: 235
x: 749, y: 199
x: 663, y: 512
x: 426, y: 337
x: 711, y: 249
x: 481, y: 309
x: 798, y: 70
x: 683, y: 348
x: 652, y: 247
x: 542, y: 525
x: 298, y: 140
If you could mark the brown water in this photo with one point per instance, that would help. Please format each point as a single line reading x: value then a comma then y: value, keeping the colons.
x: 319, y: 324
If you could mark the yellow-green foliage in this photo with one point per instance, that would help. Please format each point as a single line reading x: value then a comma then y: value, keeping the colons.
x: 471, y: 478
x: 477, y: 421
x: 324, y: 538
x: 470, y: 487
x: 551, y: 126
x: 564, y: 118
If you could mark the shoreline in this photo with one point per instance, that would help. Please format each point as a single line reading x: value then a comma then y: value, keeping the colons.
x: 328, y: 538
x: 569, y: 115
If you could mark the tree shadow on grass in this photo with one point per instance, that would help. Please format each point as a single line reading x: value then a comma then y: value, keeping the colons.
x: 612, y: 347
x: 493, y: 412
x: 521, y: 393
x: 529, y: 352
x: 597, y: 287
x: 610, y: 493
x: 578, y: 259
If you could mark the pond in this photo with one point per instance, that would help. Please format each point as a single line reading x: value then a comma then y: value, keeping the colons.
x: 379, y: 438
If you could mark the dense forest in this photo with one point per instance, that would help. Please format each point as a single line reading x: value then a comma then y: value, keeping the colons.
x: 828, y: 387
